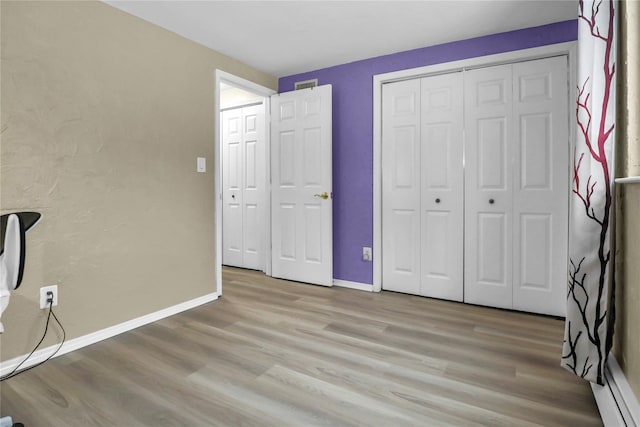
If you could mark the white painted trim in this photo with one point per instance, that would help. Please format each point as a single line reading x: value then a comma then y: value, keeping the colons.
x: 94, y: 337
x: 241, y: 104
x: 267, y: 187
x: 616, y: 401
x: 607, y: 407
x: 628, y: 180
x: 568, y: 48
x: 353, y: 285
x: 265, y: 92
x: 377, y: 182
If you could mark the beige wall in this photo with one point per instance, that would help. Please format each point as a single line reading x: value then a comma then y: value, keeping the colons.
x: 102, y: 118
x: 627, y: 329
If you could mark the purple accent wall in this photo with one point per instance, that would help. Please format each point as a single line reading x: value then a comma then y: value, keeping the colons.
x: 353, y: 129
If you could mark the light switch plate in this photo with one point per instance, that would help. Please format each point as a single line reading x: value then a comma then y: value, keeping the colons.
x: 201, y: 164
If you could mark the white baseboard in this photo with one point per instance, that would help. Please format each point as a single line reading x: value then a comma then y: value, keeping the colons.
x: 353, y: 285
x: 94, y: 337
x: 616, y: 401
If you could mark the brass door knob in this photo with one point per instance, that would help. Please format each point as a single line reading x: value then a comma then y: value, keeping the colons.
x: 323, y: 196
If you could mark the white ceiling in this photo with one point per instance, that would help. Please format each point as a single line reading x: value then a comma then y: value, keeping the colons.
x: 289, y: 37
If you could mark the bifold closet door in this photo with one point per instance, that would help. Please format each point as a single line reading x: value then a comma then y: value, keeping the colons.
x: 516, y: 186
x: 442, y: 192
x: 423, y: 187
x: 401, y: 186
x: 243, y: 186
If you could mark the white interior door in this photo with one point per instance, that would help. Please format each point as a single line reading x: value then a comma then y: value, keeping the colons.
x: 442, y: 189
x: 301, y: 186
x: 488, y: 186
x: 401, y: 186
x: 243, y: 150
x: 541, y: 185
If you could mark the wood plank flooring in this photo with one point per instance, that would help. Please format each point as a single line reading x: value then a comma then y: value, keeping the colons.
x: 278, y: 353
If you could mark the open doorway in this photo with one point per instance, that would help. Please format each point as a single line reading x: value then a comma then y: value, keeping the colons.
x: 242, y: 190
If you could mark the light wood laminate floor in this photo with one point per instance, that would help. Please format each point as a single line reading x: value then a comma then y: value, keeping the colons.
x: 277, y: 353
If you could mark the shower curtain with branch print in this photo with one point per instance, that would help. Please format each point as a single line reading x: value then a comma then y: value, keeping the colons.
x: 589, y: 321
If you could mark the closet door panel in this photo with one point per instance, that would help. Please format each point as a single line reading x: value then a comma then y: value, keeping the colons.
x: 253, y: 186
x: 488, y: 186
x: 232, y: 232
x: 401, y: 186
x: 243, y: 186
x: 442, y: 187
x: 541, y: 185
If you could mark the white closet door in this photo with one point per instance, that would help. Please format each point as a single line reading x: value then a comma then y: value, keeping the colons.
x: 253, y: 186
x: 301, y: 169
x: 243, y: 151
x: 442, y: 193
x: 541, y: 184
x: 232, y: 188
x: 488, y: 186
x: 401, y: 186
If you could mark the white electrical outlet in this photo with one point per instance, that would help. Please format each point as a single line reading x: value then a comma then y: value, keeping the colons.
x: 43, y: 295
x: 366, y: 254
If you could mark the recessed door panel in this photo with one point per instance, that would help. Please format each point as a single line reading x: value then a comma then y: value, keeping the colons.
x: 535, y: 262
x: 287, y: 239
x: 492, y: 92
x: 313, y: 230
x: 287, y: 159
x: 252, y: 236
x: 436, y: 227
x: 312, y: 147
x: 535, y: 151
x: 492, y: 153
x: 312, y: 105
x: 492, y: 249
x: 438, y: 142
x: 534, y: 87
x: 233, y: 126
x: 234, y: 240
x: 287, y: 110
x: 406, y: 224
x: 404, y: 104
x: 404, y: 166
x: 250, y: 165
x: 234, y: 175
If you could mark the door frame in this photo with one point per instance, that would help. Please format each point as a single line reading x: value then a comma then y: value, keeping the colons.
x: 233, y: 80
x: 567, y: 48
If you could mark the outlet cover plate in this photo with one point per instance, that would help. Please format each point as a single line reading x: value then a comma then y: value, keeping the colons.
x: 43, y: 295
x: 366, y: 254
